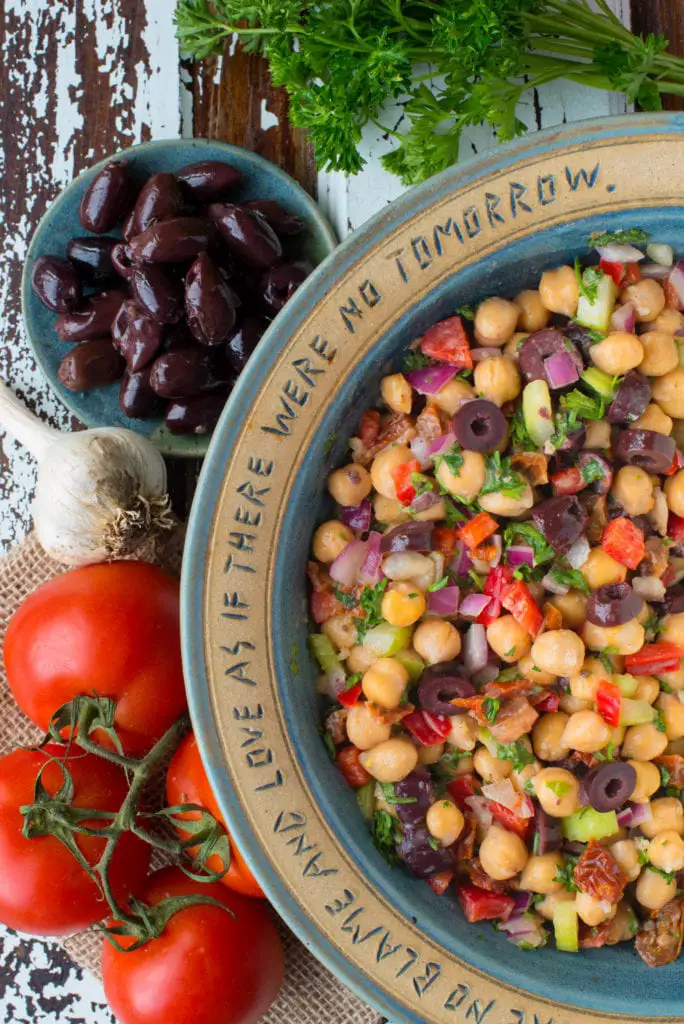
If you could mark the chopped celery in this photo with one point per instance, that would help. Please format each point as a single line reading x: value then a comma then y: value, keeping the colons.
x: 599, y: 381
x: 587, y: 824
x: 538, y: 411
x: 365, y: 796
x: 487, y: 740
x: 411, y: 661
x: 566, y: 927
x: 660, y: 253
x: 628, y: 684
x: 636, y: 712
x: 384, y: 639
x: 596, y: 313
x: 324, y: 652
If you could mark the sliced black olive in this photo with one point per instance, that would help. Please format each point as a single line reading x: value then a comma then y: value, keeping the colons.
x: 537, y: 346
x: 613, y: 604
x: 574, y: 441
x: 547, y: 832
x: 417, y: 787
x: 608, y: 787
x: 647, y: 449
x: 631, y: 398
x: 599, y: 484
x: 479, y: 426
x: 674, y: 600
x: 417, y: 852
x: 440, y: 684
x: 561, y: 520
x: 415, y: 536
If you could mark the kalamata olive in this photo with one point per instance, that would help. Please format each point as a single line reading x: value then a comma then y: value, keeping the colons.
x: 243, y: 341
x: 172, y: 241
x: 413, y: 536
x: 247, y: 235
x: 561, y: 520
x: 674, y: 600
x: 135, y: 335
x: 92, y: 257
x: 208, y: 179
x: 647, y: 449
x: 608, y: 786
x: 417, y: 852
x: 157, y: 293
x: 593, y: 462
x: 537, y: 346
x: 91, y: 365
x: 92, y: 319
x: 631, y: 398
x: 479, y: 426
x: 572, y: 765
x: 281, y: 220
x: 107, y: 198
x: 547, y: 832
x: 574, y: 440
x: 184, y: 373
x: 417, y: 786
x: 122, y: 261
x: 613, y: 604
x: 55, y: 283
x: 136, y: 397
x: 280, y: 283
x: 128, y: 228
x: 581, y: 336
x: 195, y: 415
x: 160, y: 198
x: 210, y: 304
x: 439, y: 685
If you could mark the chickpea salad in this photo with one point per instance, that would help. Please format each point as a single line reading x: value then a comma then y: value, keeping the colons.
x: 499, y: 612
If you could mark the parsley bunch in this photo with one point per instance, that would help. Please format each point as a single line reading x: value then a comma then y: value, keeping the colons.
x: 341, y: 61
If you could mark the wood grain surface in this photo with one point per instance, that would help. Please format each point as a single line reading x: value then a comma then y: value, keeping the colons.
x: 665, y: 17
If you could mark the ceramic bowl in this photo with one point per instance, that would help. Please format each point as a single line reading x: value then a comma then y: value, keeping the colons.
x: 60, y: 223
x: 491, y: 226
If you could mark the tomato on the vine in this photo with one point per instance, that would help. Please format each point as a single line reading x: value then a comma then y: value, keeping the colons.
x: 110, y: 629
x: 207, y: 966
x: 43, y: 888
x: 187, y: 783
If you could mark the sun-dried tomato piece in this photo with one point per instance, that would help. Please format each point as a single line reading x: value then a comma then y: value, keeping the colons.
x: 659, y: 941
x: 581, y: 755
x: 674, y: 765
x: 479, y: 877
x: 515, y: 718
x: 429, y: 424
x: 465, y: 848
x: 390, y: 717
x: 514, y: 688
x: 594, y: 937
x: 599, y: 875
x: 369, y: 427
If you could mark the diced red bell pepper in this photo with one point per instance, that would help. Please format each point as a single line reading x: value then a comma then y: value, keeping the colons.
x: 632, y: 274
x: 401, y: 476
x: 518, y: 600
x: 445, y: 539
x: 675, y: 527
x: 614, y: 270
x: 479, y: 905
x: 477, y: 529
x: 440, y: 882
x: 624, y: 542
x: 549, y: 702
x: 348, y: 698
x: 568, y: 481
x: 427, y: 729
x: 354, y: 773
x: 654, y: 658
x: 497, y: 579
x: 609, y: 702
x: 523, y: 827
x: 461, y: 788
x: 447, y: 342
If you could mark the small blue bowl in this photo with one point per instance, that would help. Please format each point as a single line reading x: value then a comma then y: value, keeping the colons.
x: 262, y: 180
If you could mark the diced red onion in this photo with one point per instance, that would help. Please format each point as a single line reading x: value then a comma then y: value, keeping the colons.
x: 480, y: 808
x: 504, y: 793
x: 624, y: 318
x: 472, y: 605
x: 498, y: 544
x: 370, y: 571
x: 660, y: 253
x: 357, y: 517
x: 657, y: 271
x: 560, y: 370
x: 419, y: 448
x: 347, y: 566
x: 430, y: 379
x: 522, y: 901
x: 518, y: 925
x: 634, y: 815
x: 444, y: 601
x: 475, y: 652
x: 442, y: 444
x: 461, y: 563
x: 676, y: 281
x: 554, y: 586
x: 616, y: 252
x: 479, y: 354
x: 332, y: 683
x: 426, y: 500
x: 519, y: 554
x: 579, y: 552
x: 487, y: 675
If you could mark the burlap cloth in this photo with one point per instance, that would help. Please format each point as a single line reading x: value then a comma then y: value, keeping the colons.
x: 310, y: 994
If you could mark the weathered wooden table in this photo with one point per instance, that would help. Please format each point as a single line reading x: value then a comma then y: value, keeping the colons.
x: 80, y: 79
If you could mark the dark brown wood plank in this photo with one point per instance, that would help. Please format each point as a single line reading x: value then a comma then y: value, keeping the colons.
x: 664, y: 17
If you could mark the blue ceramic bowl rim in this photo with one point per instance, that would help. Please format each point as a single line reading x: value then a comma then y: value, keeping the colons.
x: 314, y: 212
x: 200, y: 523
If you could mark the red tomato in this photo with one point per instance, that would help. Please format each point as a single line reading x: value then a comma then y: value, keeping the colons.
x: 43, y: 888
x: 568, y: 481
x: 445, y: 539
x: 461, y: 788
x: 402, y: 477
x: 497, y: 579
x: 508, y: 819
x: 480, y: 905
x: 447, y: 342
x: 427, y: 729
x: 207, y: 966
x: 624, y: 542
x: 518, y: 600
x: 110, y: 629
x: 440, y: 882
x: 187, y: 783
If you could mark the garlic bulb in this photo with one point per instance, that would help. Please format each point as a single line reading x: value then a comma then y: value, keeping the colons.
x: 98, y: 491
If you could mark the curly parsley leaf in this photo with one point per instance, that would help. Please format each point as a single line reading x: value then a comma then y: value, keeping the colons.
x: 468, y: 312
x: 588, y: 280
x: 500, y: 477
x: 623, y: 236
x: 453, y: 459
x: 592, y: 470
x: 490, y: 708
x: 415, y: 360
x: 386, y: 835
x: 659, y: 722
x: 569, y: 577
x: 531, y: 536
x: 370, y: 600
x: 585, y: 407
x: 566, y: 875
x: 520, y: 439
x: 452, y: 515
x: 516, y: 752
x: 390, y: 795
x: 348, y: 600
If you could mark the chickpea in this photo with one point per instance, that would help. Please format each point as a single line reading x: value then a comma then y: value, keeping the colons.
x: 648, y: 689
x: 666, y: 851
x: 674, y: 679
x: 497, y: 379
x: 503, y: 854
x: 633, y: 488
x: 600, y: 569
x: 404, y: 565
x: 593, y: 911
x: 490, y: 768
x: 559, y: 291
x: 451, y: 397
x: 397, y: 392
x: 383, y: 464
x: 625, y: 852
x: 570, y: 704
x: 533, y: 313
x: 390, y: 761
x: 647, y: 783
x: 547, y: 735
x: 586, y: 731
x: 667, y: 815
x: 330, y: 540
x: 557, y: 790
x: 598, y: 434
x: 674, y: 492
x: 444, y: 821
x: 644, y: 742
x: 572, y: 606
x: 673, y: 715
x: 527, y: 665
x: 437, y: 640
x: 673, y: 628
x: 389, y: 510
x: 384, y: 682
x: 539, y: 874
x: 647, y: 297
x: 670, y: 321
x: 628, y: 638
x: 521, y: 776
x: 661, y: 353
x: 512, y: 347
x: 430, y: 754
x: 668, y: 392
x: 617, y: 353
x: 468, y: 480
x: 350, y: 485
x: 559, y: 651
x: 545, y: 908
x: 433, y: 513
x: 463, y: 733
x: 653, y: 891
x: 499, y: 504
x: 508, y: 639
x: 364, y: 729
x: 495, y: 321
x: 340, y: 630
x: 360, y: 659
x: 402, y: 604
x: 585, y: 684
